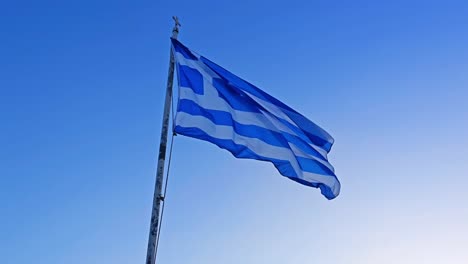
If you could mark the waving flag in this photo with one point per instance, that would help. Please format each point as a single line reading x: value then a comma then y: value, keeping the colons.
x: 217, y: 106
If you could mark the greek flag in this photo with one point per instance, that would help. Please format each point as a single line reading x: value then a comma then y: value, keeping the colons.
x: 217, y: 106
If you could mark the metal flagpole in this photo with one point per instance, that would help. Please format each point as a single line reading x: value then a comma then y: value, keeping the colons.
x: 158, y: 197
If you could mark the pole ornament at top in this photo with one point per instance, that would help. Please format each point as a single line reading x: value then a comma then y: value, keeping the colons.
x: 175, y: 30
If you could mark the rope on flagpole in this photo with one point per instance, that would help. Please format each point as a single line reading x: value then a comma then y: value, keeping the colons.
x: 164, y: 195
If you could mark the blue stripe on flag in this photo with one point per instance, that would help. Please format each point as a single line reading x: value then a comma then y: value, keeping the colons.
x: 235, y: 97
x: 310, y: 165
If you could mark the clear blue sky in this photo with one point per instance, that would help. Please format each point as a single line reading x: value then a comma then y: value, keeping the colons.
x: 82, y: 86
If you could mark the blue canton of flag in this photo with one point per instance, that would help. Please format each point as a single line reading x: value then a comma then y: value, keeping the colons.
x: 217, y: 106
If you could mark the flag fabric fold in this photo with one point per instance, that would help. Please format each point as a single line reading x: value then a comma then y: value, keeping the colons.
x: 219, y: 107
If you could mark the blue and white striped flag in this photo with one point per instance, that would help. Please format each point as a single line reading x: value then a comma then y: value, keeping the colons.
x: 217, y: 106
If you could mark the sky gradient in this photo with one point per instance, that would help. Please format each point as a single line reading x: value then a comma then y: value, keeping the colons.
x: 81, y: 94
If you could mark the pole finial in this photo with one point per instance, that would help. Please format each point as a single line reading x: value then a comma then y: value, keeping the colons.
x: 175, y: 30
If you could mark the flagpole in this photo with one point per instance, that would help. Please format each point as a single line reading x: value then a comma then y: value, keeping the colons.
x: 158, y: 196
